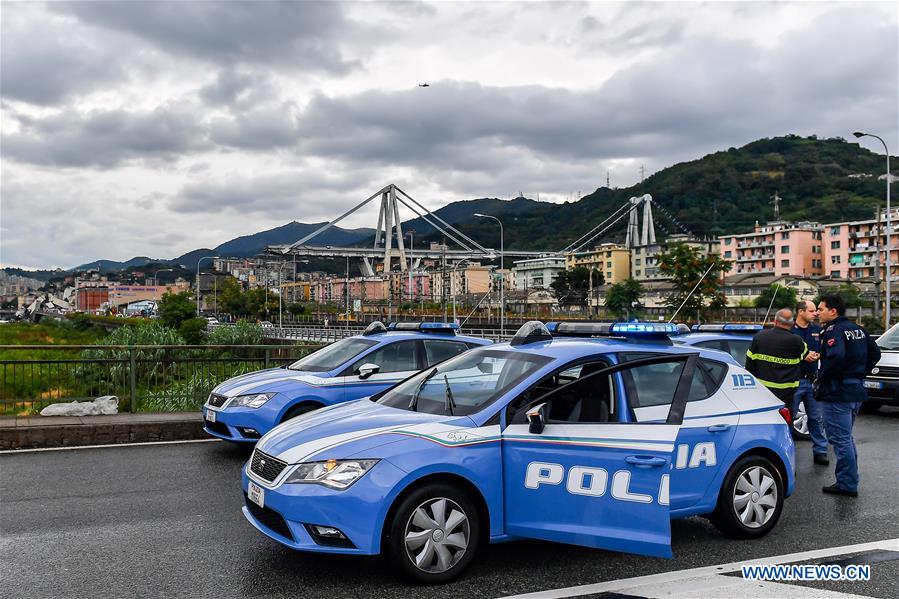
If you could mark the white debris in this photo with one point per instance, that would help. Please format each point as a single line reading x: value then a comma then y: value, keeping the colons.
x: 108, y: 404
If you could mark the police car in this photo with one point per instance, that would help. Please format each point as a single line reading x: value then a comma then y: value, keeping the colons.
x: 882, y: 384
x: 590, y: 441
x: 245, y: 407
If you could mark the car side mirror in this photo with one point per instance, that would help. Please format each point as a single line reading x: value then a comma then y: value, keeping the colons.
x: 537, y: 419
x: 368, y: 369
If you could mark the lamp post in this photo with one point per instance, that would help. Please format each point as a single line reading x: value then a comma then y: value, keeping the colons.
x: 411, y: 262
x: 860, y: 134
x: 198, y: 279
x: 502, y: 285
x: 156, y: 282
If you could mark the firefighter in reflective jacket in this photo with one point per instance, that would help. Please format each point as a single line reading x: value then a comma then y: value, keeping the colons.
x: 775, y: 355
x: 847, y: 355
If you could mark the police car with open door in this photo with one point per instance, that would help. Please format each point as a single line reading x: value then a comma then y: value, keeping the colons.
x: 246, y: 407
x: 590, y: 441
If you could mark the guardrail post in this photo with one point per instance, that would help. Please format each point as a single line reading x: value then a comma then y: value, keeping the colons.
x: 133, y: 377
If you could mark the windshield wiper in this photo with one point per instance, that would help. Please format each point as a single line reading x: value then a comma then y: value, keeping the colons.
x: 413, y: 405
x: 450, y: 402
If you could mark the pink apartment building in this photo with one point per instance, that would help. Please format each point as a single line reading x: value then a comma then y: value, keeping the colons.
x: 778, y: 248
x: 852, y: 248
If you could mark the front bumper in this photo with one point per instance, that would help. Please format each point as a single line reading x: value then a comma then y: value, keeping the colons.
x: 887, y: 393
x: 237, y: 424
x: 358, y: 512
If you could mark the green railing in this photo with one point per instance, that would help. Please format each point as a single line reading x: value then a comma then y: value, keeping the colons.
x: 145, y: 378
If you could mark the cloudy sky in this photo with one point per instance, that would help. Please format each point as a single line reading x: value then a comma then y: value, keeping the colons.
x: 154, y: 128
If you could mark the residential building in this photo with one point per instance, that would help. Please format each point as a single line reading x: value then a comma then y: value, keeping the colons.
x: 645, y: 258
x: 537, y: 273
x: 778, y: 248
x: 853, y: 248
x: 611, y: 259
x: 122, y: 295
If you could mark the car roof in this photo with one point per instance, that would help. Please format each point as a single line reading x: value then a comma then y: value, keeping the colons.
x: 401, y: 335
x: 567, y: 348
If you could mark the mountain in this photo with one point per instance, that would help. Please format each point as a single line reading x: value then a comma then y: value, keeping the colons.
x: 107, y: 265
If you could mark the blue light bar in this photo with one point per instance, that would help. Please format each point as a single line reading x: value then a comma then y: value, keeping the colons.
x: 643, y: 328
x: 727, y: 328
x: 580, y: 329
x: 425, y: 327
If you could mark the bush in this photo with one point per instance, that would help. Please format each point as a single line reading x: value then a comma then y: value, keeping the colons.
x: 193, y: 330
x: 242, y: 333
x: 873, y: 326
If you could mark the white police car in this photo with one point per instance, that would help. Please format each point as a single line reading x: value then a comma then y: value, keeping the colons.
x: 590, y: 441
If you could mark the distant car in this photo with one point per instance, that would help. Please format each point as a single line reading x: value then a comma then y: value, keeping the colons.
x: 212, y: 320
x: 265, y: 324
x: 248, y: 406
x: 883, y: 382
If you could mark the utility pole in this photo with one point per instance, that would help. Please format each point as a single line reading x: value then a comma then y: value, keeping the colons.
x: 877, y: 279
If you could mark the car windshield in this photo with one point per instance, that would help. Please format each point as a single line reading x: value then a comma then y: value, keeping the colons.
x: 333, y: 356
x: 475, y: 380
x: 890, y: 339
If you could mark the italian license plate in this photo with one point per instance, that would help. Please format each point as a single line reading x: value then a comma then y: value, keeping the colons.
x: 256, y: 494
x: 210, y: 415
x: 873, y: 385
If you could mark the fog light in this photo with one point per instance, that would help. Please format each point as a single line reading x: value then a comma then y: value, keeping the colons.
x: 249, y: 433
x: 328, y: 536
x: 327, y: 531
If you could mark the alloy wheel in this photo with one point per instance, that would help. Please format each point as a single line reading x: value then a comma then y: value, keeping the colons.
x: 755, y: 496
x: 800, y: 419
x: 437, y: 535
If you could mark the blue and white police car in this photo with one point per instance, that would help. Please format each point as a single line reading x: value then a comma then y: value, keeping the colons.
x: 246, y: 407
x: 597, y: 442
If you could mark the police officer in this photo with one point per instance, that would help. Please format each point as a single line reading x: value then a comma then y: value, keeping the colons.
x: 774, y: 357
x: 847, y: 355
x: 810, y: 333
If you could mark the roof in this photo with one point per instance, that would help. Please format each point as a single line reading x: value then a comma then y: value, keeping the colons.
x: 400, y: 335
x: 564, y: 348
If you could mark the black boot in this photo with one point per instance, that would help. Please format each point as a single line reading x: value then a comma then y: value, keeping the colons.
x: 821, y: 459
x: 835, y: 490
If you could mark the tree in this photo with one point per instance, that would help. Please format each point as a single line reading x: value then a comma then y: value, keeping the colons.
x: 571, y: 286
x: 623, y: 299
x: 296, y: 309
x: 784, y: 297
x: 175, y: 308
x: 686, y: 266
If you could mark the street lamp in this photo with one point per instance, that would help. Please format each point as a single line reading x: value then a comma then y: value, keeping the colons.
x: 860, y: 134
x: 156, y: 282
x: 502, y: 285
x: 198, y: 279
x: 411, y: 262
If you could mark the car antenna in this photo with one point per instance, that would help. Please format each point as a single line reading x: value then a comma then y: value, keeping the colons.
x: 695, y: 287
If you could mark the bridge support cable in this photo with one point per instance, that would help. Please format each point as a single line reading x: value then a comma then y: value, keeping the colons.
x: 446, y: 225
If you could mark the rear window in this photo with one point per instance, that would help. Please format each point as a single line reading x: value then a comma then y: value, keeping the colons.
x: 655, y: 384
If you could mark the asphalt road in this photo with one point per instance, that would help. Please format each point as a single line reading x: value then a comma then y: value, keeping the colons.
x: 165, y: 521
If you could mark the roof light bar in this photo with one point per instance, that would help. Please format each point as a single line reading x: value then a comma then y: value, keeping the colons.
x: 425, y: 327
x: 643, y: 328
x: 531, y: 332
x: 374, y: 328
x: 580, y: 329
x: 727, y: 328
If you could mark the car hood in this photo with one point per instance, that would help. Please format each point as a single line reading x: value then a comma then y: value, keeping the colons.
x: 272, y: 380
x: 346, y: 429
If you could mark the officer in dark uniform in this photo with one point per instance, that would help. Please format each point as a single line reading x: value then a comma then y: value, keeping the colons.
x: 847, y: 355
x: 774, y: 357
x: 810, y: 333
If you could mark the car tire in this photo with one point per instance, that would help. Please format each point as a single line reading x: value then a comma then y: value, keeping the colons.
x: 799, y: 429
x: 750, y: 500
x: 434, y: 533
x: 870, y: 407
x: 299, y: 410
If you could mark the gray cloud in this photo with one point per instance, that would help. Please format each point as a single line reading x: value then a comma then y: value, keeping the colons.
x: 105, y: 139
x: 297, y: 35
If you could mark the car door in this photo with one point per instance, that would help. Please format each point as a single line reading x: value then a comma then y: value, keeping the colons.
x: 396, y: 361
x: 596, y: 484
x: 708, y: 430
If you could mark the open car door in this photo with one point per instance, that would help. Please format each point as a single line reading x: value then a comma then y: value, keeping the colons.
x: 596, y: 484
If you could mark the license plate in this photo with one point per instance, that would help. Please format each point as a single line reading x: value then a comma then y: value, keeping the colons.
x: 873, y: 385
x: 210, y: 415
x: 256, y: 494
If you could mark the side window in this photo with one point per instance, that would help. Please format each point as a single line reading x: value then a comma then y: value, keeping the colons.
x: 590, y: 400
x: 438, y: 351
x: 655, y: 384
x: 719, y: 345
x: 395, y: 357
x: 738, y: 349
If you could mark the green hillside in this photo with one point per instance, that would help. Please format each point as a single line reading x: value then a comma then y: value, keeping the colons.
x: 723, y: 192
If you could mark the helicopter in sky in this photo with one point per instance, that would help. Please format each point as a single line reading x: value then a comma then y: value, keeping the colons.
x: 424, y: 85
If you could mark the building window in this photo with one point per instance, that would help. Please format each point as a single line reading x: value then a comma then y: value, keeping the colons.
x: 609, y: 264
x: 835, y: 274
x: 608, y: 276
x: 834, y: 245
x: 816, y: 263
x: 638, y: 261
x: 784, y: 249
x: 727, y: 254
x: 608, y: 254
x: 638, y: 273
x: 835, y: 230
x: 784, y: 235
x: 727, y: 240
x: 784, y: 263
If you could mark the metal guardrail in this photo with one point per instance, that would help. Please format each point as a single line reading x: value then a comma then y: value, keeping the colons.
x: 155, y: 378
x: 329, y: 334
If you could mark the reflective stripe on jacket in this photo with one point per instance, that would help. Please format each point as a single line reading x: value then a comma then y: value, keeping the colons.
x: 775, y: 358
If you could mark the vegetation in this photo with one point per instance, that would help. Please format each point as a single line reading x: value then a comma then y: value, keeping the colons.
x: 783, y: 297
x: 623, y: 299
x: 696, y: 279
x: 572, y: 286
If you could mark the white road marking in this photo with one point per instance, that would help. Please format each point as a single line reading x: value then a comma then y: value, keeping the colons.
x: 109, y: 445
x: 660, y: 585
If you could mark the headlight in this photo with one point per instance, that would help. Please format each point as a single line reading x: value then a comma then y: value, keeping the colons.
x: 337, y: 474
x: 254, y: 400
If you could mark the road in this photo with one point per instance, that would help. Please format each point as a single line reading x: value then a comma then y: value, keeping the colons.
x: 165, y: 521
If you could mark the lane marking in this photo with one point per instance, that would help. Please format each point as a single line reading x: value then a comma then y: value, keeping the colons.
x: 666, y: 578
x: 109, y: 445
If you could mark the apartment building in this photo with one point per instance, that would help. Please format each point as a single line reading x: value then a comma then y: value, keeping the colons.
x: 853, y: 248
x: 645, y: 258
x: 611, y: 259
x: 778, y: 248
x: 537, y: 273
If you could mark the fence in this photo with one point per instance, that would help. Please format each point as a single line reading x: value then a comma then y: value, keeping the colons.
x: 317, y: 333
x: 150, y: 378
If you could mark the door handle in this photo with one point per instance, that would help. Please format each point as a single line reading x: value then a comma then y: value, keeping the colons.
x: 645, y: 461
x: 718, y: 428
